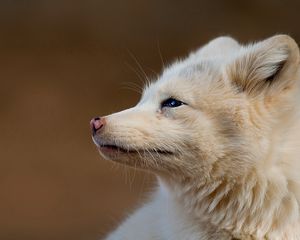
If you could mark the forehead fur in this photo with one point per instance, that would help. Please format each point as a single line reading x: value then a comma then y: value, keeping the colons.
x: 202, y: 70
x: 181, y: 80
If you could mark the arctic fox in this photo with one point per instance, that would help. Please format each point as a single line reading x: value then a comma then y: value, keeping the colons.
x: 221, y: 131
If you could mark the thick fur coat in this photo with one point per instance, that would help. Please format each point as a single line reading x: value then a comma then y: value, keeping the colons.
x: 221, y: 131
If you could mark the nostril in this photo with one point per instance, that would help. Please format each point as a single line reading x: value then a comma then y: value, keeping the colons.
x: 96, y: 124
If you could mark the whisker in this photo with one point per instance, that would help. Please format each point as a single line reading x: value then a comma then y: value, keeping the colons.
x: 160, y: 54
x: 133, y: 87
x: 136, y: 71
x: 138, y: 64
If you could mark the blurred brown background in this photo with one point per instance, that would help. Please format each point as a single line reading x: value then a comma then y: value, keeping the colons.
x: 64, y: 62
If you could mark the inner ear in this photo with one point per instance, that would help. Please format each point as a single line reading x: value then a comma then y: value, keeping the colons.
x: 265, y: 66
x: 279, y: 67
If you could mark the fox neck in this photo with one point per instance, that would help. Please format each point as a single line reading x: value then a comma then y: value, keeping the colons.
x: 255, y: 206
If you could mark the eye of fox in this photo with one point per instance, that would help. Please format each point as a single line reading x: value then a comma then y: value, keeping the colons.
x: 171, y: 103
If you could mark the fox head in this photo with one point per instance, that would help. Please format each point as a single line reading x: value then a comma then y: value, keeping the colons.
x: 218, y: 113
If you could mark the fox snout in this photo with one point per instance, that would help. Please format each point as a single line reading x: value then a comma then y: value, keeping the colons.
x: 96, y: 124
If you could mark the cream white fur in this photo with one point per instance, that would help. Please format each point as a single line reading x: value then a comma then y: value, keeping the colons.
x: 228, y: 162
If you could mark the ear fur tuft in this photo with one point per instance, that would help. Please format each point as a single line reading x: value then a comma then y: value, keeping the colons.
x: 259, y: 67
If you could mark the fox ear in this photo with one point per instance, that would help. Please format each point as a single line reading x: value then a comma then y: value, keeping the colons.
x: 227, y: 44
x: 266, y: 67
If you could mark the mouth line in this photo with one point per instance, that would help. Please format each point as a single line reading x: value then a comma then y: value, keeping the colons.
x: 138, y: 151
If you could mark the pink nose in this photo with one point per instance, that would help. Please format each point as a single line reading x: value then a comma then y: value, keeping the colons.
x: 96, y: 124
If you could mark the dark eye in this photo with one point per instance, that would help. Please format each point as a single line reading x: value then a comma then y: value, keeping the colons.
x: 171, y: 103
